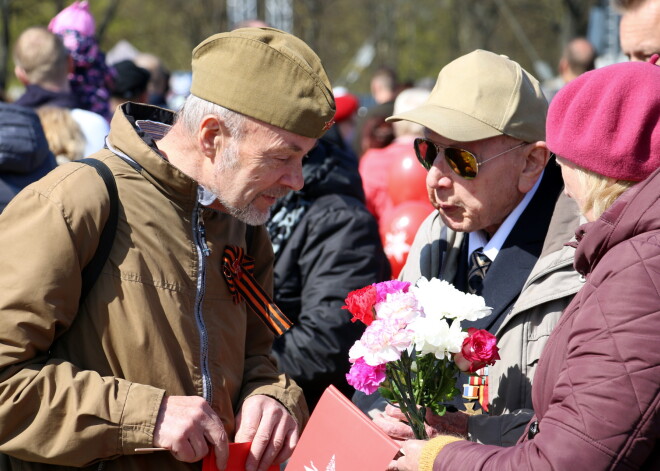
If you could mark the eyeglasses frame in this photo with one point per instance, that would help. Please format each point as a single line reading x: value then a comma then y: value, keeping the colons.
x: 438, y: 148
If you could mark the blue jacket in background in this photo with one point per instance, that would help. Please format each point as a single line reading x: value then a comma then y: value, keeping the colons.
x: 24, y: 154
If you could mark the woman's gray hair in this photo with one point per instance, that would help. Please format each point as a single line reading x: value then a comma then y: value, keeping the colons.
x: 195, y: 108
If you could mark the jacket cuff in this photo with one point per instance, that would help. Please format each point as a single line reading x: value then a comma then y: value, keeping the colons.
x: 138, y: 419
x: 287, y: 393
x: 431, y: 450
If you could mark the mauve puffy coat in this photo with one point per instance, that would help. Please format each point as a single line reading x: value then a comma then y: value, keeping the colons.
x: 596, y: 387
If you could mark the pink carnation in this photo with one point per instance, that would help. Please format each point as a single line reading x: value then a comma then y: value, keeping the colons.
x: 392, y: 286
x: 364, y: 377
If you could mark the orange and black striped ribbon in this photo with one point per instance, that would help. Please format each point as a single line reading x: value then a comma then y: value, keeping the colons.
x: 237, y: 268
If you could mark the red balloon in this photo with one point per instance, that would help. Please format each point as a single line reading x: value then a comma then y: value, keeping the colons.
x: 398, y: 228
x: 407, y: 180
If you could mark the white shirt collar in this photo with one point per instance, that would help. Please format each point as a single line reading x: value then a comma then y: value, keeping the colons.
x: 491, y: 248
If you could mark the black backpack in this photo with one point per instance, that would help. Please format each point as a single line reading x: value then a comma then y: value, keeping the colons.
x: 93, y: 269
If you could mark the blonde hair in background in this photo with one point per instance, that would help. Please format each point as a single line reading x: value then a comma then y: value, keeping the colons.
x: 601, y: 191
x: 65, y: 138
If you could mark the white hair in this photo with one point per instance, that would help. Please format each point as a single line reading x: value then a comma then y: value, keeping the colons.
x: 407, y: 100
x: 195, y: 108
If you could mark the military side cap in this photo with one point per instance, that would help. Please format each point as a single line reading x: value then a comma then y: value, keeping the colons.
x: 268, y: 75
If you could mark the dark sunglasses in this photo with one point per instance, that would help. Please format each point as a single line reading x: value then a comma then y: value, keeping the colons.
x: 463, y: 162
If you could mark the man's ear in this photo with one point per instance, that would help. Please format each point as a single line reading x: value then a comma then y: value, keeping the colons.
x: 536, y: 159
x: 212, y: 136
x: 21, y: 75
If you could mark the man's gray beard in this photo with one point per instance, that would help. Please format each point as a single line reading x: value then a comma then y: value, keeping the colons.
x: 249, y: 215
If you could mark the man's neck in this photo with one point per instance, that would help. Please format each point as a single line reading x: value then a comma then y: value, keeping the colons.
x: 493, y: 242
x: 55, y: 87
x: 177, y: 148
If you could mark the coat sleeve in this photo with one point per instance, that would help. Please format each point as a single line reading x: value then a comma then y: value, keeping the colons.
x: 419, y: 256
x: 435, y: 251
x: 501, y: 430
x: 260, y: 373
x: 339, y: 253
x: 603, y: 409
x: 49, y: 408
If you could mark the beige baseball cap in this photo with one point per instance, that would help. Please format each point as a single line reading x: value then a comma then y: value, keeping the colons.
x: 268, y: 75
x: 482, y: 95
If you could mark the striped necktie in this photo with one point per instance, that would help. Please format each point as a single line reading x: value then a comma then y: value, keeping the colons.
x: 479, y: 265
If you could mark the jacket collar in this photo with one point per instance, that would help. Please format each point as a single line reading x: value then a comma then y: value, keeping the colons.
x: 35, y: 96
x: 635, y: 212
x: 126, y: 137
x: 521, y: 250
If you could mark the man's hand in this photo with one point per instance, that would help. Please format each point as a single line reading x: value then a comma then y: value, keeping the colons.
x: 272, y: 430
x: 393, y: 422
x: 186, y: 426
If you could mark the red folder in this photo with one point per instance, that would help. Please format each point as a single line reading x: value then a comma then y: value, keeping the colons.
x: 340, y: 436
x: 238, y: 453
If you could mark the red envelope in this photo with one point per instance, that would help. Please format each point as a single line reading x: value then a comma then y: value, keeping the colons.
x: 238, y: 453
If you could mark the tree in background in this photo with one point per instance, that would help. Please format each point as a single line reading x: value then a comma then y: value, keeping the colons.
x: 417, y: 37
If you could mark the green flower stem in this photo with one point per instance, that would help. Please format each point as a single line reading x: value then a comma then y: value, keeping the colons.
x: 402, y: 379
x: 438, y: 390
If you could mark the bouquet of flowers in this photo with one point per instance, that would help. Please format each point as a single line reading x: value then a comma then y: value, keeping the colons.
x: 413, y: 345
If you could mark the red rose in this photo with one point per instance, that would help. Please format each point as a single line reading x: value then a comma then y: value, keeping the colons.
x: 360, y: 303
x: 479, y: 349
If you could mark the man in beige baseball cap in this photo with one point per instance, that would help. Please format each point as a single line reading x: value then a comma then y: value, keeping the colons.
x: 485, y: 152
x: 168, y: 356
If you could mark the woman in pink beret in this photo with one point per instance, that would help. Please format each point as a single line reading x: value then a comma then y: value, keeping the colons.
x: 596, y: 390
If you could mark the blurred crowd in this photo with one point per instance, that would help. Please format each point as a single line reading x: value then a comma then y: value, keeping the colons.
x: 71, y: 84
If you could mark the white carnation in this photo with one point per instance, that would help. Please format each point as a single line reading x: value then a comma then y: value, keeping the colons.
x: 433, y: 334
x: 441, y: 299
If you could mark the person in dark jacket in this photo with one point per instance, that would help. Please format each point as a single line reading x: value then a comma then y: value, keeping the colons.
x: 326, y: 244
x: 24, y: 154
x: 597, y: 405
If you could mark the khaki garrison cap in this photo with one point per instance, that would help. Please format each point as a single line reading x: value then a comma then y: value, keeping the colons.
x: 482, y: 95
x: 265, y: 74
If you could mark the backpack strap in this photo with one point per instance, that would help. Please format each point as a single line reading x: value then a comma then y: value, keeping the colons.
x: 93, y: 269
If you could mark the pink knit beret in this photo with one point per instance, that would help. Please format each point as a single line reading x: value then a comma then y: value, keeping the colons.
x: 608, y: 121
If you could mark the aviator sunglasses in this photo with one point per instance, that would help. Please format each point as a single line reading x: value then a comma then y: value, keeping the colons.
x: 463, y: 162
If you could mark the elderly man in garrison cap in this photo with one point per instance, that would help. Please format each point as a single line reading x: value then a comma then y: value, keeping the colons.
x: 170, y: 348
x: 499, y: 231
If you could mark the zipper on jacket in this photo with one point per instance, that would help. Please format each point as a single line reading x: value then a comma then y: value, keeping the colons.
x: 203, y: 251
